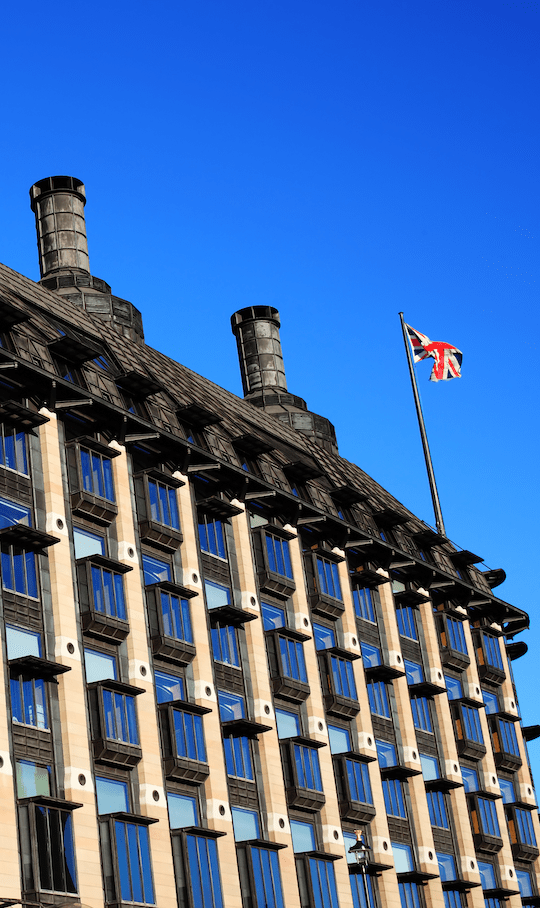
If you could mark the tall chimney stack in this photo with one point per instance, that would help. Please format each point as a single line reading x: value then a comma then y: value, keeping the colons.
x: 256, y: 329
x: 58, y: 204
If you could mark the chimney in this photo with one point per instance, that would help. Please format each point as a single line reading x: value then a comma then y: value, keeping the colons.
x: 58, y: 204
x: 256, y: 329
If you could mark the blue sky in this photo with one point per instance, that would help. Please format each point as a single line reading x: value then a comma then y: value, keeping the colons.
x: 340, y: 161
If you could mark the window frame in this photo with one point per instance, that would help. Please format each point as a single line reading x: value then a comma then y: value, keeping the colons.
x: 115, y: 750
x: 180, y: 768
x: 31, y: 834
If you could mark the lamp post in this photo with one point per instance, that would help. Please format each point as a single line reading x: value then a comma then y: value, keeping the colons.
x: 361, y: 853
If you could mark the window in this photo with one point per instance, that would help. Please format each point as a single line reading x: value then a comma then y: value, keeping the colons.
x: 328, y: 574
x: 340, y: 739
x: 487, y: 875
x: 99, y: 666
x: 453, y: 688
x: 455, y: 635
x: 358, y: 892
x: 217, y: 595
x: 508, y: 738
x: 487, y: 816
x: 132, y: 849
x: 408, y: 895
x: 211, y: 536
x: 524, y: 883
x: 363, y: 604
x: 112, y: 796
x: 237, y: 749
x: 21, y: 642
x: 323, y: 883
x: 13, y: 449
x: 492, y: 651
x: 28, y: 701
x: 371, y: 655
x: 358, y: 779
x: 163, y: 506
x: 18, y: 567
x: 308, y: 773
x: 492, y: 702
x: 266, y: 877
x: 393, y: 799
x: 224, y: 644
x: 430, y: 767
x: 51, y: 865
x: 378, y: 699
x: 413, y: 671
x: 471, y: 724
x: 403, y: 860
x: 245, y: 824
x: 324, y: 636
x: 279, y: 560
x: 273, y: 616
x: 524, y: 827
x: 175, y: 617
x: 470, y: 779
x: 303, y: 836
x: 343, y: 677
x: 386, y: 754
x: 507, y: 791
x: 182, y: 810
x: 288, y: 724
x: 155, y: 570
x: 188, y: 734
x: 447, y: 867
x: 32, y: 779
x: 406, y: 621
x: 437, y: 809
x: 12, y: 513
x: 86, y: 543
x: 204, y: 879
x: 108, y: 592
x: 97, y: 474
x: 120, y: 717
x: 292, y: 659
x: 420, y: 712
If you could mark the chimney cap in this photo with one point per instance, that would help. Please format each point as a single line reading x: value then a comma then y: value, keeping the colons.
x: 254, y: 314
x: 56, y: 184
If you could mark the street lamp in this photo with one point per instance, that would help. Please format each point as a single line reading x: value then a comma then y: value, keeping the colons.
x: 361, y: 854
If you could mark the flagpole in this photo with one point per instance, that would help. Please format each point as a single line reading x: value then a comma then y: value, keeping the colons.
x: 427, y: 455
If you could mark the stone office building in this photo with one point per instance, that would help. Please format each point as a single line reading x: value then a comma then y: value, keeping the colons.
x: 229, y: 656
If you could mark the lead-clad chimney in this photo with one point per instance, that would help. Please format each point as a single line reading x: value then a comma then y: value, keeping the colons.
x: 256, y: 329
x: 58, y: 204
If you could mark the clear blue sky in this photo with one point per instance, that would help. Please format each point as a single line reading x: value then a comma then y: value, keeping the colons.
x: 340, y: 161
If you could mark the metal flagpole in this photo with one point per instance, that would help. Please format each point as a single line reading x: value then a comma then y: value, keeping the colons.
x: 427, y: 455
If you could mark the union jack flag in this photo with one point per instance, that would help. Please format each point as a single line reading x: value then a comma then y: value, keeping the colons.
x: 447, y: 358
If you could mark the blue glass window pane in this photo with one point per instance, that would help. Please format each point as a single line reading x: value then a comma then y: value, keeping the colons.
x: 430, y: 767
x: 168, y: 687
x: 216, y: 594
x: 268, y: 891
x: 40, y: 703
x: 231, y: 706
x: 112, y: 797
x: 8, y: 581
x: 371, y: 655
x: 358, y: 892
x: 403, y: 861
x: 470, y: 779
x: 22, y: 643
x: 358, y: 779
x: 340, y: 739
x: 245, y: 824
x: 323, y: 882
x: 154, y: 500
x: 204, y: 872
x: 99, y: 666
x: 437, y: 809
x: 421, y: 715
x: 11, y: 513
x: 9, y: 449
x: 122, y: 861
x: 98, y: 486
x: 386, y: 753
x: 493, y: 651
x: 413, y: 671
x: 97, y: 589
x: 303, y: 836
x: 509, y: 742
x: 453, y: 687
x: 456, y: 635
x: 16, y: 700
x: 447, y: 866
x: 524, y: 883
x: 491, y: 701
x: 31, y: 577
x: 182, y: 811
x: 406, y: 622
x: 86, y: 543
x: 133, y: 734
x: 487, y: 875
x: 288, y: 724
x: 144, y: 851
x: 119, y: 597
x: 507, y: 791
x: 273, y: 616
x: 378, y: 699
x: 108, y: 490
x: 155, y: 570
x: 20, y: 452
x: 393, y: 798
x: 18, y: 570
x: 86, y: 471
x: 324, y: 636
x: 135, y: 874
